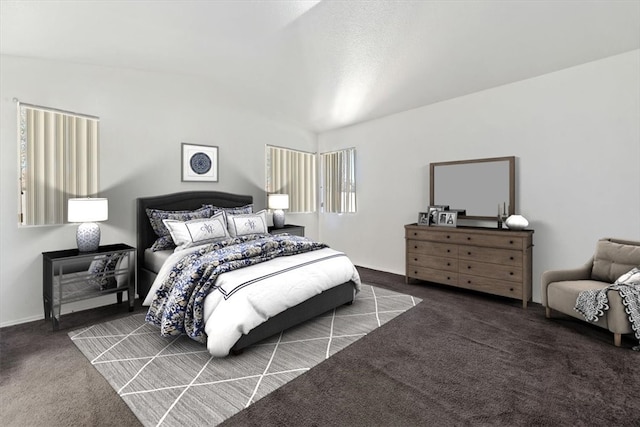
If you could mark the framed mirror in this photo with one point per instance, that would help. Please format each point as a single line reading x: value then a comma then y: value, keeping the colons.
x: 482, y: 187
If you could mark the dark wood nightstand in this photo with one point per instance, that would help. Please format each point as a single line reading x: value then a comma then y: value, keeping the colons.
x: 297, y: 230
x: 70, y: 275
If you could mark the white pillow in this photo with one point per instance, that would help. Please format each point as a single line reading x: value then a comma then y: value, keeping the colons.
x: 631, y: 277
x: 123, y: 264
x: 241, y: 225
x: 197, y: 231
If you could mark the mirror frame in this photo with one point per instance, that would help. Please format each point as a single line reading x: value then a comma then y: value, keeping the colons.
x: 512, y: 183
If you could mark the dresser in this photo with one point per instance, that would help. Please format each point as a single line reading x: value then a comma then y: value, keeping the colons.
x: 495, y: 261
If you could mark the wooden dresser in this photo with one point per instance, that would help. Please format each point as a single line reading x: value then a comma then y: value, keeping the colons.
x: 488, y: 260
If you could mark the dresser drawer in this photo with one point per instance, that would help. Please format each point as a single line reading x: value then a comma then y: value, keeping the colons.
x: 493, y: 256
x: 439, y: 263
x: 491, y: 286
x: 492, y: 241
x: 494, y: 271
x: 431, y: 248
x: 431, y: 234
x: 432, y: 275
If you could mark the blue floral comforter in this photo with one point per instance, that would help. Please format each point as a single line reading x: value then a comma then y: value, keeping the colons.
x: 178, y: 304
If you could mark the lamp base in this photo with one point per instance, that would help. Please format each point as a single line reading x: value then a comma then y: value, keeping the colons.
x: 88, y: 237
x: 278, y: 218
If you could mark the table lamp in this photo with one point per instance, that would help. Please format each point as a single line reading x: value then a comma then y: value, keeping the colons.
x: 88, y: 211
x: 278, y: 202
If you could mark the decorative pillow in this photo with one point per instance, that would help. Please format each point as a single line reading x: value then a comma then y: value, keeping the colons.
x: 246, y: 209
x: 631, y: 277
x: 197, y: 231
x: 163, y: 243
x: 243, y: 224
x: 156, y: 216
x: 100, y: 268
x: 123, y: 269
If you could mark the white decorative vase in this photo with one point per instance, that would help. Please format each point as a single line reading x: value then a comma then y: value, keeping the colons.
x: 516, y: 222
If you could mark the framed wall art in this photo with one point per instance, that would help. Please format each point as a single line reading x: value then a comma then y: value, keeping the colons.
x: 199, y: 162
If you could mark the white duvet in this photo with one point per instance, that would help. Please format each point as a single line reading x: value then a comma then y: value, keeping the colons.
x: 258, y: 292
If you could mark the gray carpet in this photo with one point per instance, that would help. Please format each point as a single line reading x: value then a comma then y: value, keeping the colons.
x: 175, y: 382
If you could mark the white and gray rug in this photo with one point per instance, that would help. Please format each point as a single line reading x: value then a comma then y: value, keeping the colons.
x: 176, y: 382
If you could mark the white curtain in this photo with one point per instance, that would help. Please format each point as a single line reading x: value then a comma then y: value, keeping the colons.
x: 339, y: 181
x: 58, y: 160
x: 292, y: 172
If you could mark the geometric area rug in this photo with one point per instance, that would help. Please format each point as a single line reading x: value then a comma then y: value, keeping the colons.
x: 175, y: 381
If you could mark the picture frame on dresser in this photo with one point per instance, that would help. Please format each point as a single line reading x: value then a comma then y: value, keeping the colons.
x: 447, y: 218
x: 424, y: 218
x: 433, y: 213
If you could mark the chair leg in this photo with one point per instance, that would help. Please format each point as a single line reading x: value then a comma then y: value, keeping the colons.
x: 617, y: 340
x: 547, y: 312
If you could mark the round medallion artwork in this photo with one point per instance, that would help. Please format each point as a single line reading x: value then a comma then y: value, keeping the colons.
x: 200, y: 163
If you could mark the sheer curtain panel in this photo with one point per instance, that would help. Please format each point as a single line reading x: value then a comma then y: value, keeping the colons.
x: 339, y: 181
x: 292, y: 172
x: 58, y: 161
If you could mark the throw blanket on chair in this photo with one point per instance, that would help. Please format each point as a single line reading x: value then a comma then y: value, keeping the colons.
x: 178, y: 305
x: 593, y: 303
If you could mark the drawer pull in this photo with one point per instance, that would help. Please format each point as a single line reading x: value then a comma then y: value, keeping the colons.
x: 511, y: 242
x: 468, y: 253
x: 469, y: 281
x: 511, y: 289
x: 511, y: 273
x: 415, y: 259
x: 448, y: 250
x: 511, y: 258
x: 415, y: 234
x: 448, y: 264
x: 468, y: 238
x: 448, y: 237
x: 415, y: 247
x: 468, y: 267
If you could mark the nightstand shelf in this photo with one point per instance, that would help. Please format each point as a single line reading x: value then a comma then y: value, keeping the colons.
x: 297, y: 230
x: 70, y: 275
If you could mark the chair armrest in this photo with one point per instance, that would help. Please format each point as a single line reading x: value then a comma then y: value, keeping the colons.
x: 550, y: 276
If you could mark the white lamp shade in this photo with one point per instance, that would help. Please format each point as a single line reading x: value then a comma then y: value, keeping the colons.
x: 88, y: 210
x: 278, y: 201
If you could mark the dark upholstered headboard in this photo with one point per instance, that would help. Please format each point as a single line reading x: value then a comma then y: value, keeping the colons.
x: 186, y: 200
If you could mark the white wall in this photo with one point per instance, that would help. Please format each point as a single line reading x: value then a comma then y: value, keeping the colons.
x: 576, y: 136
x: 144, y: 118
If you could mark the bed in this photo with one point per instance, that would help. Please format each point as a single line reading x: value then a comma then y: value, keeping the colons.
x: 150, y: 264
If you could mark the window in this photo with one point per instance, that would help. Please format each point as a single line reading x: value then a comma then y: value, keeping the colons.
x: 292, y: 172
x: 339, y: 181
x: 58, y: 160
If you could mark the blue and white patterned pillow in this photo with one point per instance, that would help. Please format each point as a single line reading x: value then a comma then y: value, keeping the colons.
x: 197, y: 231
x: 240, y: 210
x: 156, y: 216
x: 245, y: 224
x: 102, y: 270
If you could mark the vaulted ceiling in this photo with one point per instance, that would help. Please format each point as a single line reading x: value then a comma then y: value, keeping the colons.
x: 327, y: 64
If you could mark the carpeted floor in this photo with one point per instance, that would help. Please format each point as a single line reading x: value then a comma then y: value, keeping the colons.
x: 175, y: 381
x: 458, y: 358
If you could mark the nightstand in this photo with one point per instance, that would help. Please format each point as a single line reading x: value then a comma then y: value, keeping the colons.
x: 297, y: 230
x: 70, y: 275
